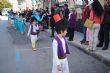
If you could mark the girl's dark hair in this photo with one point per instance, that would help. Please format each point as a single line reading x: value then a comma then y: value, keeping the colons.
x: 22, y: 14
x: 57, y: 5
x: 61, y: 25
x: 33, y: 19
x: 95, y: 0
x: 65, y: 5
x: 14, y: 13
x: 86, y: 1
x: 97, y: 8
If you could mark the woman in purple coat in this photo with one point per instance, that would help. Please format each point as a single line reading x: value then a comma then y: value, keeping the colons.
x: 72, y: 24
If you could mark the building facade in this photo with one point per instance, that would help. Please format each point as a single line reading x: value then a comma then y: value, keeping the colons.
x: 37, y: 4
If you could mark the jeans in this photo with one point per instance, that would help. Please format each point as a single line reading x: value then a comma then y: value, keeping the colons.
x: 104, y: 35
x: 93, y: 38
x: 71, y: 33
x: 84, y: 32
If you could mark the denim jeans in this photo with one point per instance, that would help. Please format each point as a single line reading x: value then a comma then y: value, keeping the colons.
x: 84, y: 32
x: 93, y: 38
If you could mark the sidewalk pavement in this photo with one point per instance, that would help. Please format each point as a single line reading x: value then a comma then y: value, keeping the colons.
x: 101, y: 55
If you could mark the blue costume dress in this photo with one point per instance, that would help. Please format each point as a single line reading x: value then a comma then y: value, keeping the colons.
x: 22, y: 25
x: 9, y: 17
x: 19, y: 23
x: 37, y: 17
x: 15, y: 22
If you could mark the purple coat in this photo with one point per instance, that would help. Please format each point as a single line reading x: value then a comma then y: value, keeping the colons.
x: 72, y: 20
x: 61, y: 53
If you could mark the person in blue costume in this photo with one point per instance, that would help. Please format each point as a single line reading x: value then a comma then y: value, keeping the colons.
x: 10, y: 18
x: 35, y: 13
x: 18, y: 21
x: 22, y: 23
x: 37, y: 16
x: 15, y: 21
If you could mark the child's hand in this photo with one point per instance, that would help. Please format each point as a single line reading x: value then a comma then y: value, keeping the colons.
x: 59, y: 67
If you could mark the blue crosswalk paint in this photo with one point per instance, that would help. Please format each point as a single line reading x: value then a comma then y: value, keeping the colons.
x: 17, y: 56
x: 17, y: 60
x: 20, y: 72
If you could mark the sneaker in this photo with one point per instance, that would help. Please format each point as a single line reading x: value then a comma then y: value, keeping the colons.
x: 70, y: 40
x: 86, y: 43
x: 99, y: 45
x: 82, y: 41
x: 91, y: 50
x: 104, y: 48
x: 34, y: 49
x: 51, y: 36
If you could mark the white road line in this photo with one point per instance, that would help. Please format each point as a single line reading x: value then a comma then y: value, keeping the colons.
x: 36, y: 48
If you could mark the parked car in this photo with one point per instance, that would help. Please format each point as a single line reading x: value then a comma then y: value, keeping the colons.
x: 4, y: 11
x: 0, y: 12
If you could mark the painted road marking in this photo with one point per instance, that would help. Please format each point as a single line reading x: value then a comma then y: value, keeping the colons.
x: 17, y: 60
x: 20, y: 71
x: 36, y: 48
x: 17, y: 56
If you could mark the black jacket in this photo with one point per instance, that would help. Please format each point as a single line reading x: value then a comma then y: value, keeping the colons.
x: 67, y: 11
x: 107, y: 14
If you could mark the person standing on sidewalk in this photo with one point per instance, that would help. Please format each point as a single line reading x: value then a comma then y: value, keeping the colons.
x: 60, y: 48
x: 105, y: 28
x: 57, y: 9
x: 72, y: 23
x: 66, y: 11
x: 47, y: 17
x: 66, y: 15
x: 85, y: 15
x: 52, y: 22
x: 62, y: 12
x: 96, y: 15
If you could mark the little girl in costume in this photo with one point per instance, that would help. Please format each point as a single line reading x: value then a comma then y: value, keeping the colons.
x: 60, y: 48
x: 22, y: 23
x: 33, y: 32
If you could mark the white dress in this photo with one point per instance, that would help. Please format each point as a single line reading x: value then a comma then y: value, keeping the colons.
x: 57, y: 61
x: 33, y: 37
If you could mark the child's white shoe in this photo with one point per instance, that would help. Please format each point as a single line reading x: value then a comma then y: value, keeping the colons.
x: 34, y: 49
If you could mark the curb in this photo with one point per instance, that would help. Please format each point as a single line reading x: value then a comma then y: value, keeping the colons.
x: 93, y: 54
x: 97, y: 56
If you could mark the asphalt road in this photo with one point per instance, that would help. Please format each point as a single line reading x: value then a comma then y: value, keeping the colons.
x: 16, y: 55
